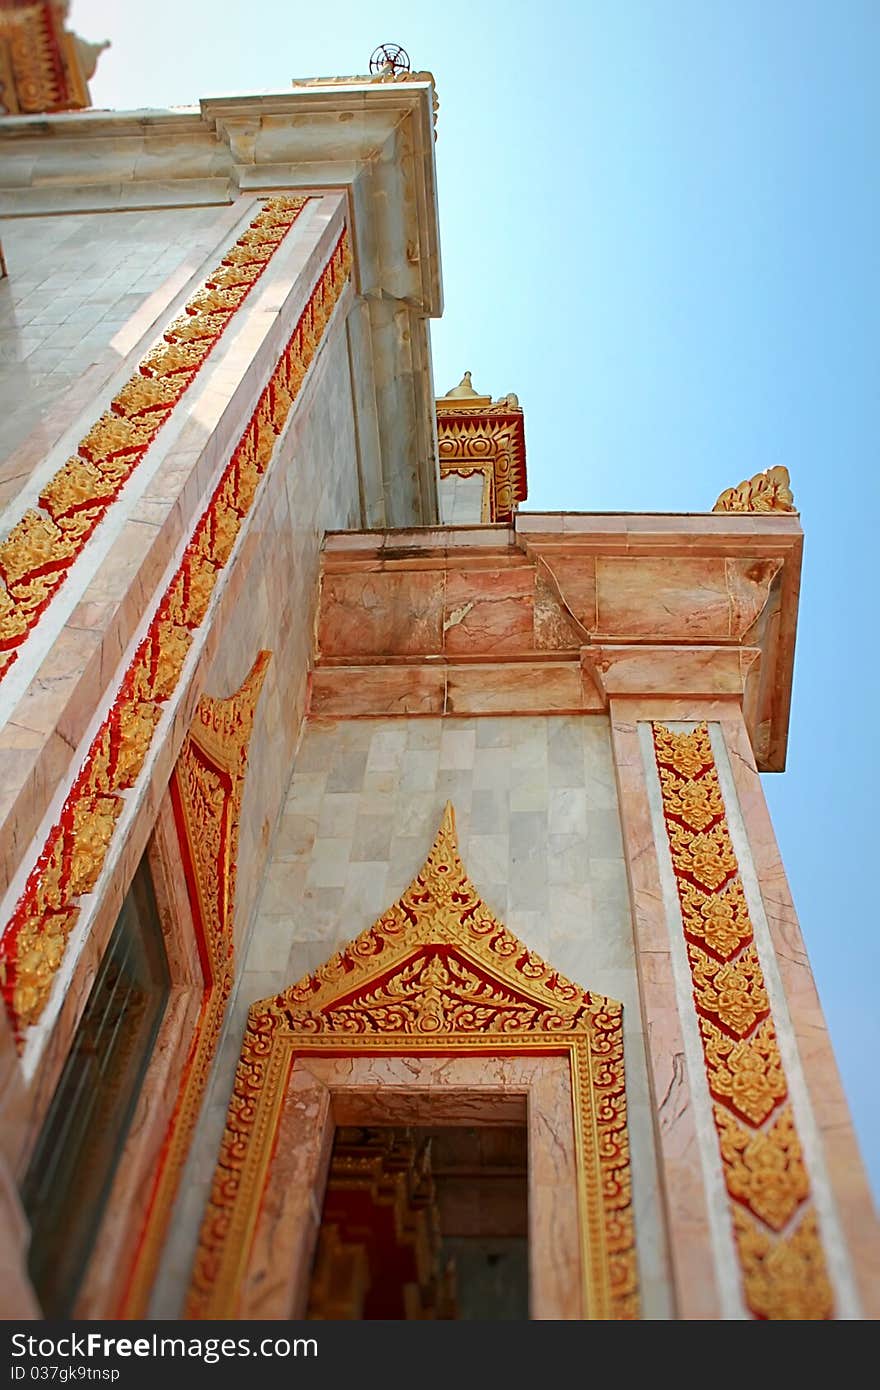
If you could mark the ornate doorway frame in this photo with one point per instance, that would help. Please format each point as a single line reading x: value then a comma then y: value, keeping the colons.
x: 435, y: 983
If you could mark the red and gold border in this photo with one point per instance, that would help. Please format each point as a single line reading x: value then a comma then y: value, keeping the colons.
x: 206, y: 790
x: 39, y: 551
x: 35, y: 938
x: 39, y: 70
x: 777, y: 1237
x: 436, y: 973
x: 487, y: 437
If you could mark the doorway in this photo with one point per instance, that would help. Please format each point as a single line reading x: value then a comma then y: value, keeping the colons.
x: 424, y: 1223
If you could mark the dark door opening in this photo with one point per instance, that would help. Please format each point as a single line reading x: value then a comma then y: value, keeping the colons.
x: 424, y: 1223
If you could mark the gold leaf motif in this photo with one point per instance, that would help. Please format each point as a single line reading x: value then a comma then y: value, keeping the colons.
x: 235, y: 273
x: 697, y: 803
x: 192, y: 328
x: 39, y: 952
x: 173, y: 641
x: 168, y: 359
x: 99, y: 776
x: 80, y: 525
x: 202, y: 578
x: 764, y: 1171
x: 33, y: 593
x: 113, y: 435
x: 688, y: 754
x: 12, y: 621
x: 119, y: 749
x: 720, y: 920
x: 76, y: 485
x: 34, y: 543
x: 220, y: 299
x: 785, y: 1279
x: 146, y: 393
x: 707, y: 855
x: 733, y: 992
x: 784, y: 1276
x: 437, y: 966
x: 94, y: 819
x: 747, y: 1072
x: 137, y: 720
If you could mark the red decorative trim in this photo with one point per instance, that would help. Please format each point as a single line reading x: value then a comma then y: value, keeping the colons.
x: 34, y: 941
x: 36, y: 557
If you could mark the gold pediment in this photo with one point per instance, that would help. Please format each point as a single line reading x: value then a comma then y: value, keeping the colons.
x: 439, y: 961
x: 435, y: 974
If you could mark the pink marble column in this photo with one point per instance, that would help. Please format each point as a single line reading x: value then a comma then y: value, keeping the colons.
x: 850, y: 1231
x: 693, y: 1270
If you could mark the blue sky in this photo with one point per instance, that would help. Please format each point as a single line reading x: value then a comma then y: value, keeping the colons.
x: 659, y: 226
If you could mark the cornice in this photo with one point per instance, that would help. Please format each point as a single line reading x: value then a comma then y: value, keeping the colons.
x: 564, y: 612
x: 376, y: 140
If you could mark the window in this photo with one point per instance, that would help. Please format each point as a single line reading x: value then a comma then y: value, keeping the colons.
x: 71, y: 1172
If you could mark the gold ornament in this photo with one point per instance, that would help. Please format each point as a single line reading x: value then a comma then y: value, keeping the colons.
x: 733, y: 992
x: 786, y: 1278
x: 769, y: 491
x: 120, y: 747
x: 206, y: 791
x: 474, y: 435
x: 36, y: 556
x: 783, y: 1269
x: 764, y: 1171
x: 436, y: 972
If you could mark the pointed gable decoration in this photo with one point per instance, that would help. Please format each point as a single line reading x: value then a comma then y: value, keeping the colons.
x: 436, y: 973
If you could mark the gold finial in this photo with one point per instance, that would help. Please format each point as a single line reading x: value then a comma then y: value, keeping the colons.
x: 464, y: 388
x: 464, y: 394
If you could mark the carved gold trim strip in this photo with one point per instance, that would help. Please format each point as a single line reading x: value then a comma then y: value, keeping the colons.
x: 206, y: 791
x: 36, y: 556
x: 35, y: 938
x: 437, y: 973
x: 780, y: 1252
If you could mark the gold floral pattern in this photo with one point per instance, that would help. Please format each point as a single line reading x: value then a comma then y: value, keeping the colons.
x: 764, y: 1171
x: 786, y: 1279
x: 489, y: 439
x: 732, y: 992
x: 436, y: 970
x: 36, y: 556
x: 206, y: 791
x: 73, y: 854
x: 781, y: 1255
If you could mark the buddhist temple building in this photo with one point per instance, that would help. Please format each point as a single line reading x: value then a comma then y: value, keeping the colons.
x: 392, y: 925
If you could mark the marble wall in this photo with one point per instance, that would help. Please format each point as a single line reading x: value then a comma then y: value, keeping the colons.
x: 540, y: 835
x: 461, y: 500
x: 73, y: 282
x: 313, y: 488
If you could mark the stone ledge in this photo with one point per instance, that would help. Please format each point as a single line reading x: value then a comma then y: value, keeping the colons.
x: 430, y: 617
